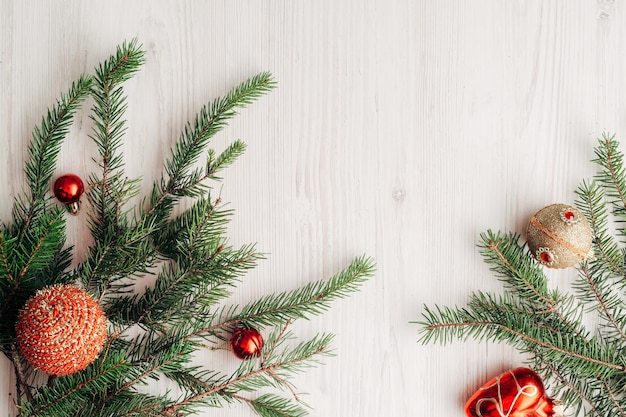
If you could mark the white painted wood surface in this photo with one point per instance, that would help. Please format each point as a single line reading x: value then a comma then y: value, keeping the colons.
x: 400, y: 128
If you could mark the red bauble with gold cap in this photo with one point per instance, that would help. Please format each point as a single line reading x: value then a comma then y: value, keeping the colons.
x: 246, y: 342
x: 516, y: 393
x: 68, y: 189
x: 61, y: 329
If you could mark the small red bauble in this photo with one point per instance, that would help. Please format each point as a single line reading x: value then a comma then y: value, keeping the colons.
x: 516, y: 393
x: 246, y: 342
x: 61, y: 329
x: 68, y: 189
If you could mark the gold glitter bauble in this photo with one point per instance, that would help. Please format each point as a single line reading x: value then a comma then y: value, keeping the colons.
x: 559, y: 236
x: 61, y: 329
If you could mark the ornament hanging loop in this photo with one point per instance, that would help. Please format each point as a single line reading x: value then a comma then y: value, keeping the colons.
x: 559, y: 408
x: 73, y: 208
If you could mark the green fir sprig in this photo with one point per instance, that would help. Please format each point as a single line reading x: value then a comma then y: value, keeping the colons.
x: 574, y: 337
x: 32, y: 245
x: 180, y: 260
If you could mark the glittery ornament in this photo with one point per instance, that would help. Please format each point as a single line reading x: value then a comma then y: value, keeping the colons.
x: 61, y: 329
x: 246, y: 342
x: 68, y: 189
x: 516, y: 393
x: 559, y: 236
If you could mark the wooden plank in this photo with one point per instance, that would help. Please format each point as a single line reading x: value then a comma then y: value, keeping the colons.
x: 400, y: 128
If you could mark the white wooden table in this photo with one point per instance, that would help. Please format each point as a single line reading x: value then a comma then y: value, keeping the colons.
x: 400, y: 128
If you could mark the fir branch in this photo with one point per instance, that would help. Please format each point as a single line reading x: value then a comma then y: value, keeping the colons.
x: 26, y: 262
x: 216, y: 164
x: 20, y: 379
x: 292, y: 356
x: 571, y: 390
x: 132, y: 404
x: 43, y: 150
x: 48, y: 238
x: 183, y: 292
x: 250, y: 379
x: 210, y: 120
x: 521, y: 274
x: 598, y: 292
x: 447, y: 324
x: 270, y: 405
x: 196, y: 380
x: 614, y: 397
x: 275, y: 339
x: 517, y: 271
x: 312, y: 299
x: 549, y: 326
x: 176, y: 316
x: 179, y: 178
x: 70, y: 394
x: 147, y: 360
x: 30, y: 246
x: 612, y: 176
x: 6, y: 247
x: 199, y: 230
x: 591, y: 203
x: 118, y: 246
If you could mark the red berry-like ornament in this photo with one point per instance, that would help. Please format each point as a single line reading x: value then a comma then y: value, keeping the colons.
x: 516, y: 393
x: 68, y: 189
x: 61, y: 329
x: 246, y: 342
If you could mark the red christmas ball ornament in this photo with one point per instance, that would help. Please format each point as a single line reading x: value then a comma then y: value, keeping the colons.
x: 246, y: 342
x: 68, y: 189
x: 61, y: 329
x: 516, y: 393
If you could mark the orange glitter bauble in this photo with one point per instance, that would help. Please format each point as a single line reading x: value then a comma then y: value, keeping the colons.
x: 61, y: 329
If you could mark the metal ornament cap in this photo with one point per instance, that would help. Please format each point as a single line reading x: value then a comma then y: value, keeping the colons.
x: 559, y: 236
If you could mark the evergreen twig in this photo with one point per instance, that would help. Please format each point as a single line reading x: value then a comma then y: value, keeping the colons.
x: 43, y: 150
x: 162, y: 276
x: 554, y: 328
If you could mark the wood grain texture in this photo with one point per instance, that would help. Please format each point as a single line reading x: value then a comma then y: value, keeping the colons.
x: 400, y: 128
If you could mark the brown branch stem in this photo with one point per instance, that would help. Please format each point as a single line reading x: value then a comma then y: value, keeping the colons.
x: 605, y: 310
x: 611, y: 169
x: 529, y: 339
x: 171, y: 410
x: 20, y: 378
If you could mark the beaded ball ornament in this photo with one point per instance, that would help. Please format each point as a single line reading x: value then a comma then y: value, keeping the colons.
x: 559, y: 236
x: 61, y: 329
